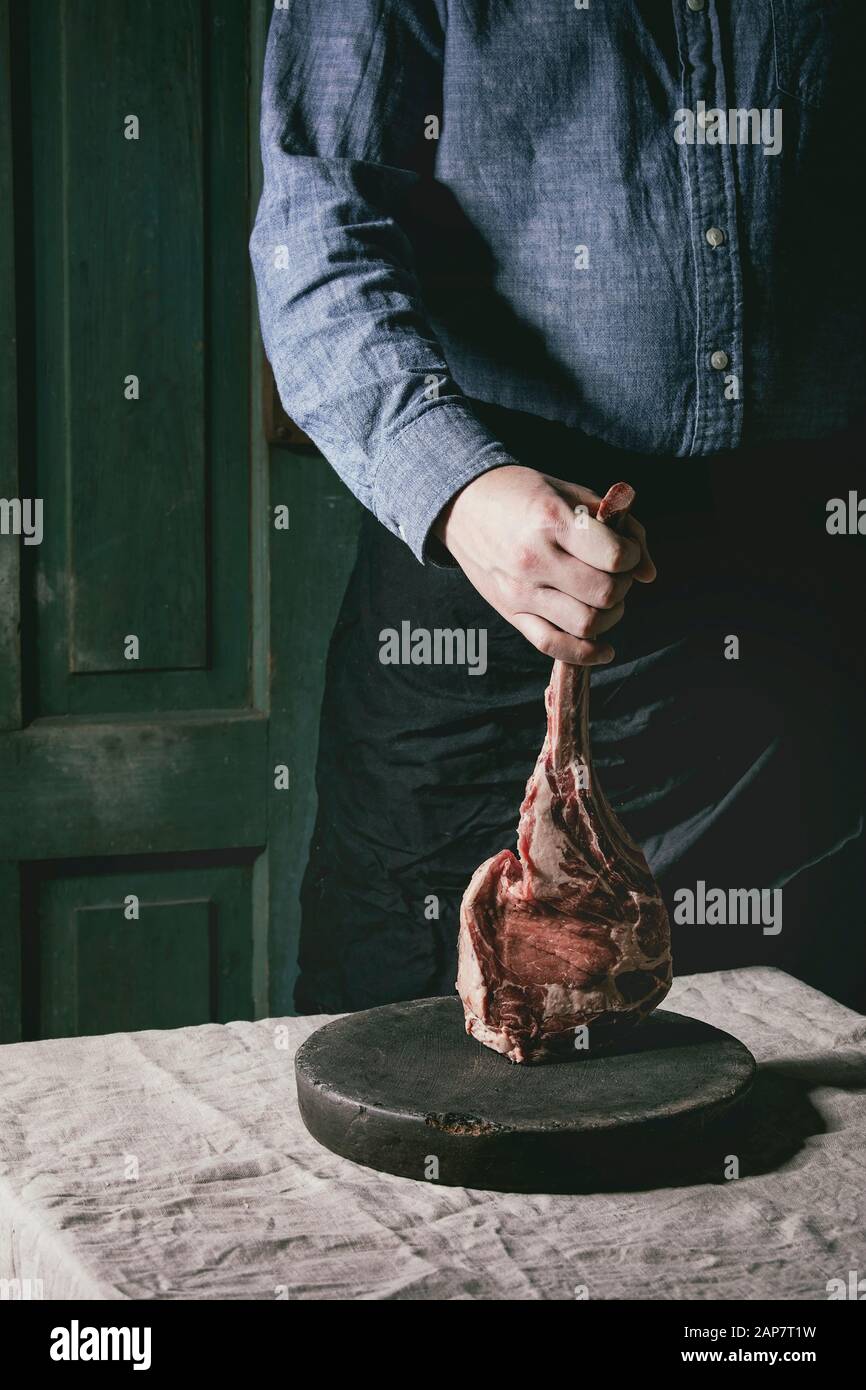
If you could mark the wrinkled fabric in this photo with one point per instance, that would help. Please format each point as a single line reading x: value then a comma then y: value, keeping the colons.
x: 548, y: 251
x: 229, y: 1197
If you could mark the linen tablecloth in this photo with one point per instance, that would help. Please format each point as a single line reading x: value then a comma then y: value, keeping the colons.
x: 175, y: 1165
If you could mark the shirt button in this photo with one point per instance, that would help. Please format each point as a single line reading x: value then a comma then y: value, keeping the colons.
x: 719, y: 361
x: 402, y: 532
x: 715, y: 236
x: 696, y: 5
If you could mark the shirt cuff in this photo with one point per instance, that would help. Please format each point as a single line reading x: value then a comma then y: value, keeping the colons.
x: 426, y: 465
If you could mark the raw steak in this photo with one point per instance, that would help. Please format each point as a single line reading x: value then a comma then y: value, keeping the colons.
x: 574, y: 931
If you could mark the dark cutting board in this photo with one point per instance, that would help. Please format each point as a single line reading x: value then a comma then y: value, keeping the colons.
x: 404, y: 1089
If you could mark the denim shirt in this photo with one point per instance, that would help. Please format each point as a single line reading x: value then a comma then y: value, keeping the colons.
x: 637, y: 218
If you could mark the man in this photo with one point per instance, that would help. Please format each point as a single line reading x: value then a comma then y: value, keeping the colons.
x: 508, y: 254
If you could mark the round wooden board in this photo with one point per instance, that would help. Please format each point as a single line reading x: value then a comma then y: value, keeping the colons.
x: 404, y: 1089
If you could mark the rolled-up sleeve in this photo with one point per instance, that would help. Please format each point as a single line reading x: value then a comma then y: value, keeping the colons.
x: 349, y: 89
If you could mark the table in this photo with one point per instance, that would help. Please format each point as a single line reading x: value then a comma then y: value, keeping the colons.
x: 174, y: 1165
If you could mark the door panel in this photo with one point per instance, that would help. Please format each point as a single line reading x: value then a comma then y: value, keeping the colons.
x: 140, y: 270
x: 125, y: 786
x: 185, y: 960
x: 132, y: 290
x: 122, y: 772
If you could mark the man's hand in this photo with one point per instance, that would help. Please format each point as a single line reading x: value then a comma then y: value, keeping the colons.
x: 559, y: 577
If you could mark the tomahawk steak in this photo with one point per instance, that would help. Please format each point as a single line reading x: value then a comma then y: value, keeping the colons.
x: 573, y: 931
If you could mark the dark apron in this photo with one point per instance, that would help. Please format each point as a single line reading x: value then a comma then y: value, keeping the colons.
x: 739, y: 773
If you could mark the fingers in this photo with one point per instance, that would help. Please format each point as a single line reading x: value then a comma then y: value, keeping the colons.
x: 645, y: 572
x: 561, y: 646
x: 533, y: 547
x: 597, y: 545
x: 579, y: 534
x: 581, y: 581
x: 575, y: 618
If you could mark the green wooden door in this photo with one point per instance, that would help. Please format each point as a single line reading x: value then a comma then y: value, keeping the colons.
x: 136, y: 777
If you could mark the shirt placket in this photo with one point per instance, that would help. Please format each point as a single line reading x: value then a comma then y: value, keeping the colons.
x: 715, y: 249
